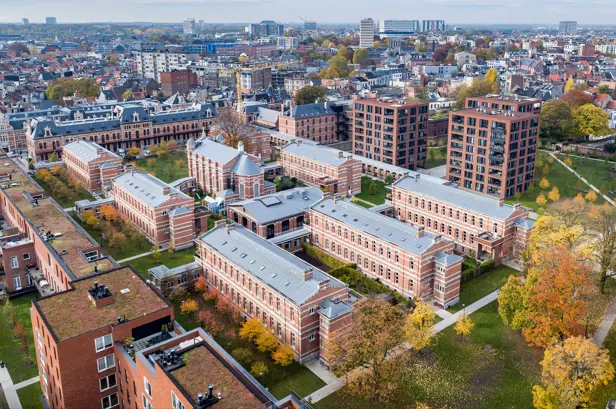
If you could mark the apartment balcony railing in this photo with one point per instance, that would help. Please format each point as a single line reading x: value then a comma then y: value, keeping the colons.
x: 456, y: 128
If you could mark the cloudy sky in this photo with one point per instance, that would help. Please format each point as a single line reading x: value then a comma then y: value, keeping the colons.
x: 452, y: 11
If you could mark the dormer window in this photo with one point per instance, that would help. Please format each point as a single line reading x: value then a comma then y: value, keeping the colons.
x: 47, y: 131
x: 135, y: 117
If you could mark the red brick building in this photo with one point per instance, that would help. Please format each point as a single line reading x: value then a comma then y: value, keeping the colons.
x: 391, y: 132
x: 478, y: 224
x: 177, y: 82
x: 301, y: 304
x: 320, y: 166
x: 407, y: 259
x: 493, y: 150
x: 316, y: 122
x: 91, y: 165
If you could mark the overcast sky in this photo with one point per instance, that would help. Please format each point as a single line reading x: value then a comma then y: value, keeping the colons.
x: 212, y: 11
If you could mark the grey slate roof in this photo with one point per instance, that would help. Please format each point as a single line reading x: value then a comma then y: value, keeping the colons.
x: 267, y: 262
x: 311, y: 110
x: 390, y: 230
x: 216, y: 151
x: 317, y: 152
x: 146, y: 187
x: 163, y: 271
x: 268, y: 115
x: 86, y: 150
x: 333, y: 310
x: 245, y: 166
x: 524, y: 223
x: 282, y: 205
x: 446, y: 259
x: 440, y: 190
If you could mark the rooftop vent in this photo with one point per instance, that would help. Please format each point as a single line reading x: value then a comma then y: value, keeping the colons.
x: 100, y: 295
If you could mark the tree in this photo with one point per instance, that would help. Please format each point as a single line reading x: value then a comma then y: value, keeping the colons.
x: 117, y: 240
x: 480, y: 87
x: 128, y: 95
x: 209, y: 323
x: 53, y: 157
x: 133, y: 152
x: 338, y: 67
x: 252, y: 329
x: 266, y: 342
x: 372, y: 188
x: 418, y: 326
x: 576, y: 98
x: 360, y: 56
x: 492, y: 78
x: 43, y: 174
x: 284, y: 355
x: 65, y: 87
x: 189, y: 307
x: 602, y: 221
x: 259, y: 369
x: 233, y: 129
x: 591, y: 196
x: 591, y: 120
x: 555, y: 117
x: 19, y: 49
x: 200, y: 285
x: 376, y: 330
x: 541, y: 200
x: 156, y: 256
x: 109, y: 212
x: 177, y: 294
x: 464, y: 325
x: 554, y: 194
x: 511, y: 301
x: 544, y: 183
x: 568, y: 85
x: 310, y: 94
x: 242, y: 355
x: 571, y: 371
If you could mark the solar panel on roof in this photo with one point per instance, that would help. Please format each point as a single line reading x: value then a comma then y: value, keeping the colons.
x: 270, y: 201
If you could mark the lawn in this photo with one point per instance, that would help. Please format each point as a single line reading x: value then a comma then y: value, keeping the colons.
x: 568, y: 184
x: 362, y: 203
x: 436, y: 157
x: 129, y: 250
x: 379, y: 197
x: 594, y: 171
x: 174, y: 167
x: 73, y: 195
x: 175, y: 259
x: 30, y: 396
x: 279, y: 380
x: 494, y: 368
x: 10, y: 348
x: 483, y: 285
x: 603, y: 394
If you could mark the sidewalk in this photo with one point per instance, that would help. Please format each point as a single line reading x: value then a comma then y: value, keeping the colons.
x: 9, y: 389
x: 606, y: 324
x: 134, y: 257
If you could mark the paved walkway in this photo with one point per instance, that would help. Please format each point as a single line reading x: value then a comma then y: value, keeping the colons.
x: 597, y: 191
x: 135, y: 257
x: 606, y: 324
x: 69, y: 209
x: 9, y: 389
x: 28, y: 382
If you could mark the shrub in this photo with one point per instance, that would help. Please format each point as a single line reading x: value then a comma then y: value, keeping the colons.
x: 266, y: 342
x: 189, y: 306
x: 242, y: 355
x: 209, y: 323
x: 259, y: 369
x: 284, y: 355
x: 210, y: 295
x: 178, y: 294
x: 200, y: 285
x: 323, y: 257
x: 487, y: 266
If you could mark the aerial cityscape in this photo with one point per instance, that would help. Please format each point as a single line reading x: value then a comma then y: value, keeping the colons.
x: 231, y: 205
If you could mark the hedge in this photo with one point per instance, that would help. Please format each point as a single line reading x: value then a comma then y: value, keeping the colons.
x: 323, y: 257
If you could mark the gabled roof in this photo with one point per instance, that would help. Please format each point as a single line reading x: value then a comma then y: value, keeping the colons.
x: 311, y: 110
x: 218, y: 152
x: 88, y: 150
x: 147, y: 188
x: 244, y: 166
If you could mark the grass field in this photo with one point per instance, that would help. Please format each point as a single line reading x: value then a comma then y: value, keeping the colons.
x: 483, y: 285
x: 30, y: 396
x: 595, y: 171
x: 176, y: 259
x: 169, y: 169
x: 436, y: 157
x: 381, y: 191
x: 73, y: 195
x: 10, y: 348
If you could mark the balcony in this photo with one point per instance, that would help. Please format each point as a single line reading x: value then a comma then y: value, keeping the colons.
x: 495, y: 182
x: 456, y: 128
x: 455, y: 171
x: 457, y: 146
x: 497, y: 149
x: 456, y: 154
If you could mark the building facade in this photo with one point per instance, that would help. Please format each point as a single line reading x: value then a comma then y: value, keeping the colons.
x: 263, y: 281
x: 316, y: 122
x: 151, y: 64
x: 177, y: 82
x: 398, y: 28
x: 91, y: 165
x: 567, y: 28
x: 366, y: 33
x: 407, y: 259
x: 391, y: 132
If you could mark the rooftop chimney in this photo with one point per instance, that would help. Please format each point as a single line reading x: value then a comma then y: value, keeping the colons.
x: 340, y: 154
x: 240, y: 146
x: 420, y: 231
x: 308, y: 274
x: 501, y: 202
x: 416, y: 177
x: 166, y: 190
x: 100, y: 295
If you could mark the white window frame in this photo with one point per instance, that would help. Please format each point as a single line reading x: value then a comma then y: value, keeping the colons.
x: 146, y: 403
x: 17, y: 283
x: 104, y: 359
x: 14, y: 262
x: 109, y: 397
x: 104, y: 343
x: 26, y: 256
x: 107, y: 379
x: 176, y: 403
x: 147, y: 386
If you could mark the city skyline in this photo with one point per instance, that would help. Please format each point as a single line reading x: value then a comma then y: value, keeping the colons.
x: 235, y: 11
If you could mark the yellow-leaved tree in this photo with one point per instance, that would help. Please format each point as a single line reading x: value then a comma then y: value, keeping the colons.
x: 464, y: 325
x: 251, y: 330
x: 284, y: 355
x: 418, y: 326
x: 544, y: 184
x: 554, y: 194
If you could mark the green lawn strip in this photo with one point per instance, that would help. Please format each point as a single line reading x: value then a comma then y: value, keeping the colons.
x: 74, y: 195
x: 483, y: 285
x: 30, y: 396
x: 381, y: 191
x: 363, y: 204
x: 594, y: 171
x: 279, y: 380
x: 601, y: 395
x: 10, y: 348
x: 168, y: 169
x: 568, y: 184
x: 171, y: 260
x: 439, y: 158
x: 131, y: 248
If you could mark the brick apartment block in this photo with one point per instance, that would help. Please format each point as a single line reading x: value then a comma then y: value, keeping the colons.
x: 407, y: 259
x: 299, y: 303
x: 391, y: 132
x: 91, y: 165
x: 110, y: 341
x: 127, y: 126
x: 492, y: 151
x: 476, y: 223
x: 316, y: 122
x: 162, y: 213
x: 177, y: 82
x: 41, y: 244
x: 320, y: 166
x: 231, y: 174
x: 278, y: 217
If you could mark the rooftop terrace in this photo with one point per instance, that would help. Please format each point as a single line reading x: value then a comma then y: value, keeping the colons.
x: 72, y: 313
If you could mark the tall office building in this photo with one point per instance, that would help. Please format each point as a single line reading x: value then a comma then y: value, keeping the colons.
x: 398, y: 28
x: 310, y: 25
x: 25, y: 21
x: 268, y: 28
x: 51, y: 20
x: 567, y: 28
x: 493, y: 145
x: 366, y: 33
x: 190, y: 27
x: 432, y: 26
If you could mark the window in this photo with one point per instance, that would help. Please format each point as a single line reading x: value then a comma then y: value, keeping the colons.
x: 14, y: 262
x: 26, y: 256
x: 146, y: 403
x: 103, y: 342
x: 107, y: 382
x: 312, y: 336
x: 105, y: 362
x: 110, y: 401
x: 175, y: 402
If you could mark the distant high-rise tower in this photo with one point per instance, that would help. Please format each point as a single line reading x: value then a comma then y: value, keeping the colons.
x: 366, y: 33
x: 567, y: 28
x: 25, y: 21
x: 190, y: 26
x: 432, y: 26
x: 310, y: 25
x: 51, y: 20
